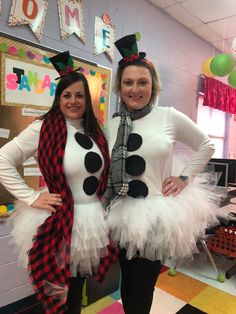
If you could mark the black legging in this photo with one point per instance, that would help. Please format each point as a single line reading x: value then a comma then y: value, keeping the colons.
x: 138, y: 279
x: 74, y: 296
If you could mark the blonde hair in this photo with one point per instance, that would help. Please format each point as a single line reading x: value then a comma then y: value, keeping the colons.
x: 156, y: 84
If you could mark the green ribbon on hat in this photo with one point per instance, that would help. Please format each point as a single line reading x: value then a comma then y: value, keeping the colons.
x: 129, y: 52
x: 63, y: 66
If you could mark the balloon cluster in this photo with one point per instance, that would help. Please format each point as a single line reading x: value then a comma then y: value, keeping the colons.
x: 222, y: 65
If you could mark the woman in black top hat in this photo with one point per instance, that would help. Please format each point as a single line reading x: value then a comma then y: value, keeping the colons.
x: 62, y: 229
x: 157, y: 208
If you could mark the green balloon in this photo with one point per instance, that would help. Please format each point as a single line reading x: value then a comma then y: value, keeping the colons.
x: 232, y: 79
x: 222, y: 64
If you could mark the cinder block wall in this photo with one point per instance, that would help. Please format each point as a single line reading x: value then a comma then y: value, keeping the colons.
x: 177, y: 53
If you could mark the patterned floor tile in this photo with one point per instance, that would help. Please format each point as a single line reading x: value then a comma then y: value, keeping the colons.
x: 98, y: 306
x: 215, y: 301
x: 115, y: 295
x: 189, y: 309
x: 115, y: 308
x: 181, y: 286
x: 164, y: 303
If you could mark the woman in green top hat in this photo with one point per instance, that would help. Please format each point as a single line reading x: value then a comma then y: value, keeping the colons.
x: 60, y: 232
x: 157, y: 208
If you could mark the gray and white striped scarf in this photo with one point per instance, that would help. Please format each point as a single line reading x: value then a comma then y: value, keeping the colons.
x: 117, y: 185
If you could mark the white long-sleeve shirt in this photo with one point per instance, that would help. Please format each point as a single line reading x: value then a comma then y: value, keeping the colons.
x: 158, y: 133
x: 78, y: 161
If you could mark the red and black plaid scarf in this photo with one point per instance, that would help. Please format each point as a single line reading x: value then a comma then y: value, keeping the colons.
x: 49, y: 257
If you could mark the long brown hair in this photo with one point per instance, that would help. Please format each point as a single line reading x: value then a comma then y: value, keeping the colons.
x: 90, y: 122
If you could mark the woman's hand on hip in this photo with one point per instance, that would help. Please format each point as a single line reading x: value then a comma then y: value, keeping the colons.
x: 173, y: 186
x: 46, y: 200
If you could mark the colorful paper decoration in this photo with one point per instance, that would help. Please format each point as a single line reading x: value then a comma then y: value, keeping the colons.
x: 29, y: 12
x: 3, y: 209
x: 6, y: 211
x: 106, y: 18
x: 71, y: 17
x: 104, y: 37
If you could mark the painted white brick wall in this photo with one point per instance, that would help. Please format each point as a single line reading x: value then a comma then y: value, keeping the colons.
x: 14, y: 282
x: 177, y: 53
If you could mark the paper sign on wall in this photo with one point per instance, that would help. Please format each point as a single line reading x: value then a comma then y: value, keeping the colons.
x: 104, y: 38
x: 29, y: 12
x: 4, y: 133
x: 28, y: 83
x: 71, y: 16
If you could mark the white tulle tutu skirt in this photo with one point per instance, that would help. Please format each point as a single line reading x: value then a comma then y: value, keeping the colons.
x: 158, y: 227
x: 89, y: 234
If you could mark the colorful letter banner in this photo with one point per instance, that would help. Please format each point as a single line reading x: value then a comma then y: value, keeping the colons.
x: 29, y: 12
x: 71, y: 16
x: 104, y: 38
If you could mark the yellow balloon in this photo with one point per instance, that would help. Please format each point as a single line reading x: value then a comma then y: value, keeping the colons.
x: 206, y: 67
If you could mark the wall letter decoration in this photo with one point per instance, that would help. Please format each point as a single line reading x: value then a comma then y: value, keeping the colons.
x: 29, y: 12
x: 104, y: 37
x: 71, y: 16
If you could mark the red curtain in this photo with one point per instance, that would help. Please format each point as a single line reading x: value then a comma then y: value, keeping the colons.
x: 219, y: 95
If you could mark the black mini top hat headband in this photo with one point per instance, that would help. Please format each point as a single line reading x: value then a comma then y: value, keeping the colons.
x: 63, y: 63
x: 128, y: 48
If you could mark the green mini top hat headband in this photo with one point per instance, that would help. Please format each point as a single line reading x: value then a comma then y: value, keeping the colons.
x: 63, y: 63
x: 128, y: 49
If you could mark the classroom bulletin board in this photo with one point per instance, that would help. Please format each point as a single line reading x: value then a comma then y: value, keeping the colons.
x: 27, y: 90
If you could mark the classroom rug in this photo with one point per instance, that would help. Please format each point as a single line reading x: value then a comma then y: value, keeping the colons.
x: 180, y: 294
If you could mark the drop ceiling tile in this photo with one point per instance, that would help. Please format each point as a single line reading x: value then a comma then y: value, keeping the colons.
x: 223, y: 45
x: 162, y: 3
x: 179, y: 13
x: 212, y: 20
x: 225, y: 27
x: 206, y: 33
x: 211, y: 10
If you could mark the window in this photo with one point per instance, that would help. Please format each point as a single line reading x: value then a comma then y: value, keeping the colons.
x: 212, y: 122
